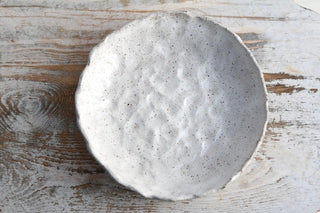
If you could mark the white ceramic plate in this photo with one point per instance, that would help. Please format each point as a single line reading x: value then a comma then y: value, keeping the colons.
x: 172, y: 106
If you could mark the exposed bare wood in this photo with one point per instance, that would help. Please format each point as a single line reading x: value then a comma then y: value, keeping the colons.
x: 279, y: 76
x: 281, y: 88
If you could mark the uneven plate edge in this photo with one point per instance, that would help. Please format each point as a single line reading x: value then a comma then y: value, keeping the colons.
x: 258, y: 144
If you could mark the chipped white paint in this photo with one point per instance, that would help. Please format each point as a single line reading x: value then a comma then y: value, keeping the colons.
x: 175, y: 110
x: 51, y: 170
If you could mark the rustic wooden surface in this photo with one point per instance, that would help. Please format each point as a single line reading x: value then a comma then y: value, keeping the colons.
x: 44, y: 163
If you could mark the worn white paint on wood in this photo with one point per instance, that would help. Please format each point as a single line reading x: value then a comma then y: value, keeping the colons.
x: 44, y: 164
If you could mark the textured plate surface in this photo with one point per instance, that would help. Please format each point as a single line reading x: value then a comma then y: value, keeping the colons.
x: 172, y: 105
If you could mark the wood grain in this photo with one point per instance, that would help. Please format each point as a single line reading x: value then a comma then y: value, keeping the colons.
x: 44, y: 163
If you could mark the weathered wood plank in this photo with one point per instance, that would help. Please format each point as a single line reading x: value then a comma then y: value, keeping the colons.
x: 44, y: 163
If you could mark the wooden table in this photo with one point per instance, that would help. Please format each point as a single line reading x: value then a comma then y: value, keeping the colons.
x: 44, y: 162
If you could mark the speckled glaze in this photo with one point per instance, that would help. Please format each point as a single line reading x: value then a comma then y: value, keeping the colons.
x: 172, y: 105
